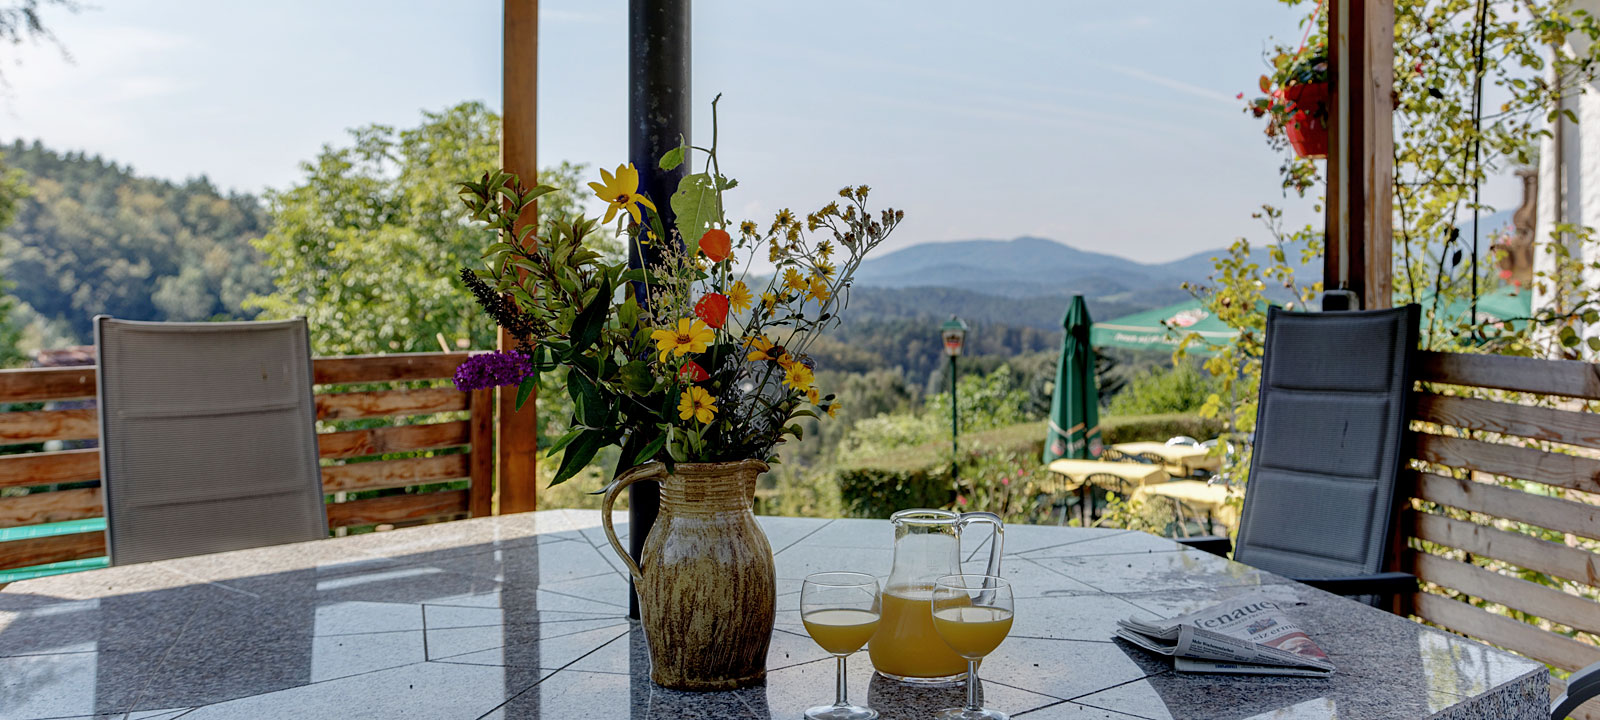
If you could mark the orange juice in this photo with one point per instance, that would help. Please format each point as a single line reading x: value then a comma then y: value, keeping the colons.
x: 906, y: 645
x: 840, y: 631
x: 972, y: 632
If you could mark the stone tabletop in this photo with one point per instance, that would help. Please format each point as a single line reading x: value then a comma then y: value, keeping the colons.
x: 525, y: 616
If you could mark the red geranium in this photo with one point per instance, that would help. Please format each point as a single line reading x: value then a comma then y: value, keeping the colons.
x: 713, y: 309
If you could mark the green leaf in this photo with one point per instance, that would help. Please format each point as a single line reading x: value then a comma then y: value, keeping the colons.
x: 588, y: 405
x: 695, y: 204
x: 1594, y: 344
x: 673, y: 158
x: 565, y: 440
x: 578, y: 455
x: 587, y: 326
x: 526, y: 389
x: 650, y: 450
x: 637, y: 378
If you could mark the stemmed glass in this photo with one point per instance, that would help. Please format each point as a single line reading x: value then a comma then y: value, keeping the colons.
x: 840, y: 611
x: 973, y: 614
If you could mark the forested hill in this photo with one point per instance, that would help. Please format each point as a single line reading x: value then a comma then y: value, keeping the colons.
x: 93, y: 237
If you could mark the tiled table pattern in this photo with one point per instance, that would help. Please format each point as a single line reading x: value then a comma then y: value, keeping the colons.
x: 524, y: 616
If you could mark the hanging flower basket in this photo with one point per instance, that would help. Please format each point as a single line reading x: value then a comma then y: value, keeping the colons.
x: 1306, y: 124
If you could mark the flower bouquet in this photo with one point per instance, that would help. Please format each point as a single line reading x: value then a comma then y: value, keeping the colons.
x: 693, y: 365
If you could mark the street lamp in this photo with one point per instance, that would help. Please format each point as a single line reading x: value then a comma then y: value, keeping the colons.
x: 954, y: 332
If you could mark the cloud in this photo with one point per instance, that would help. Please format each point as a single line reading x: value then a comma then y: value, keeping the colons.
x: 1172, y: 83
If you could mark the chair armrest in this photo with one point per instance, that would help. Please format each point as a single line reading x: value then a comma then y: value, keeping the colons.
x: 1582, y: 686
x: 1219, y: 546
x: 1387, y: 583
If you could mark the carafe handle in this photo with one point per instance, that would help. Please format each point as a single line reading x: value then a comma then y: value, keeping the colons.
x: 998, y: 540
x: 647, y: 471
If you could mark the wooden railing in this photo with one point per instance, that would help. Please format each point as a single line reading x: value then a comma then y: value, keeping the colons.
x: 1488, y: 516
x: 431, y: 435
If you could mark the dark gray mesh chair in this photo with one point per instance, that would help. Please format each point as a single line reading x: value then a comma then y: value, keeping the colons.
x: 207, y: 437
x: 1321, y: 503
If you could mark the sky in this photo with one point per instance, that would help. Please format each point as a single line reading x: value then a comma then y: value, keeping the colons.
x: 1112, y: 127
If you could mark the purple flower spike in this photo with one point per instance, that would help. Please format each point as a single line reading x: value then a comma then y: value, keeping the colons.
x: 492, y: 369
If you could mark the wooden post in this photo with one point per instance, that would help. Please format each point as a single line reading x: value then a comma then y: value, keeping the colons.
x: 480, y: 493
x: 1360, y: 205
x: 518, y: 445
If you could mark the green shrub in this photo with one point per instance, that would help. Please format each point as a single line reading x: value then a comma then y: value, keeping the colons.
x: 1182, y: 388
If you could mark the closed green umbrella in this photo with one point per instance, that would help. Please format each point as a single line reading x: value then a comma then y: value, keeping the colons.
x: 1075, y: 408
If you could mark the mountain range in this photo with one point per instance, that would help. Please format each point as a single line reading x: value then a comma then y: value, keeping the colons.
x: 1026, y: 281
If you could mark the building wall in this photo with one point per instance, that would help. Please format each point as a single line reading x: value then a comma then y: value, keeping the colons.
x: 1579, y: 184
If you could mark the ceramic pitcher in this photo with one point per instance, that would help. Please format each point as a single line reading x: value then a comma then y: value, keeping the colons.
x: 927, y: 545
x: 706, y: 582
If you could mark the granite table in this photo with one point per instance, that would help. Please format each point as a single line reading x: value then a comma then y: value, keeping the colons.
x: 524, y: 616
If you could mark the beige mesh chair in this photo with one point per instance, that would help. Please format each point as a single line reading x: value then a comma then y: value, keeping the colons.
x: 207, y: 437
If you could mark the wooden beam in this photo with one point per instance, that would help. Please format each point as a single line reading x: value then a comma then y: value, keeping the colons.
x: 397, y: 508
x: 51, y: 549
x: 519, y: 429
x: 1569, y: 378
x: 385, y: 368
x: 386, y: 403
x: 1360, y: 201
x: 405, y: 472
x: 1524, y: 463
x: 1562, y: 652
x: 49, y: 468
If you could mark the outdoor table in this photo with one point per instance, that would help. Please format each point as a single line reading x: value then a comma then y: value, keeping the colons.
x: 524, y: 616
x: 1199, y: 495
x: 1133, y: 473
x: 1185, y: 458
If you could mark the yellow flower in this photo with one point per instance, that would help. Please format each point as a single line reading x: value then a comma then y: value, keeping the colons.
x: 769, y: 300
x: 739, y: 296
x: 764, y: 350
x: 819, y: 289
x: 690, y: 336
x: 813, y: 395
x: 698, y: 404
x: 794, y: 281
x: 825, y: 249
x: 774, y: 252
x: 826, y: 269
x: 622, y: 192
x: 784, y: 217
x: 833, y: 409
x: 798, y: 376
x: 747, y: 228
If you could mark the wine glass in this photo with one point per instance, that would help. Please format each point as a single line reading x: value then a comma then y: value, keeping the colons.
x: 973, y: 614
x: 840, y: 611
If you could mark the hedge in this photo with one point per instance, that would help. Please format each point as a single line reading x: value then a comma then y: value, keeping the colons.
x: 920, y: 476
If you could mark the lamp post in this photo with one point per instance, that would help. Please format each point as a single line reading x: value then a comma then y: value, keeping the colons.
x: 954, y: 332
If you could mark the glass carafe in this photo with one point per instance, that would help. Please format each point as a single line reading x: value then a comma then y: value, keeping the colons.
x: 927, y: 546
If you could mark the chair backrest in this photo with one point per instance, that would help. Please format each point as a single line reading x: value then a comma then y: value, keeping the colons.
x: 208, y: 437
x: 1328, y: 447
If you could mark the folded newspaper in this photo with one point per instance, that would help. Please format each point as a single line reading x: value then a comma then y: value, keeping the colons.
x: 1248, y: 634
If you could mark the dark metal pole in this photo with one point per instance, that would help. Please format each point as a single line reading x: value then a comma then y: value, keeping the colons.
x: 955, y: 424
x: 658, y: 119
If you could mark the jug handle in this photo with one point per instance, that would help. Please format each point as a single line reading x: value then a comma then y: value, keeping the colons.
x: 646, y: 471
x: 997, y: 541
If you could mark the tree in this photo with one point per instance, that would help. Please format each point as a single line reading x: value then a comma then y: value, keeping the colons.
x: 92, y: 237
x: 369, y: 244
